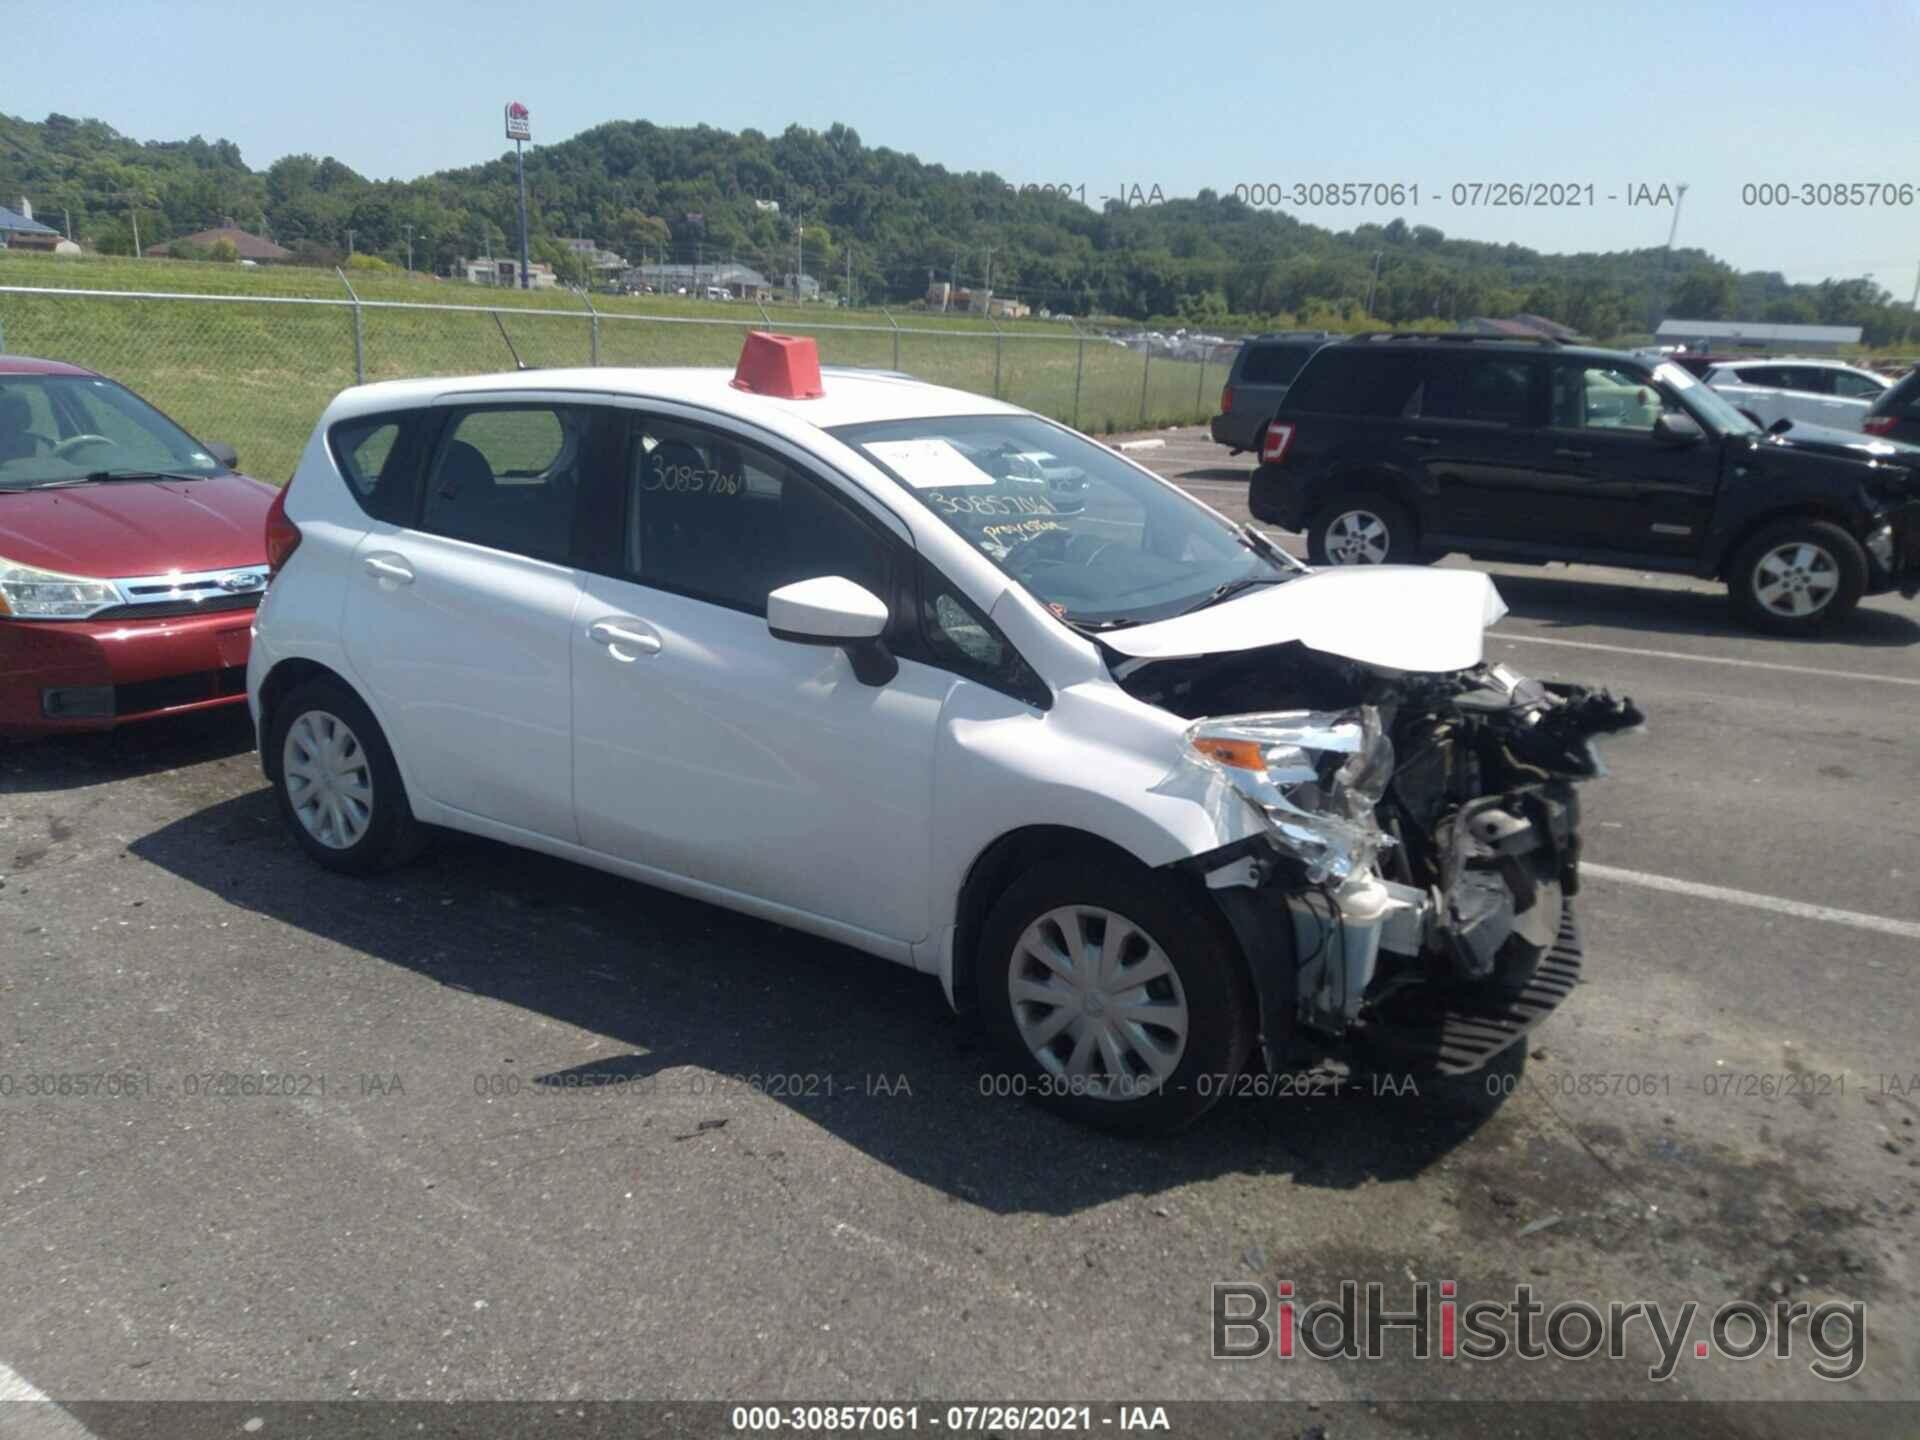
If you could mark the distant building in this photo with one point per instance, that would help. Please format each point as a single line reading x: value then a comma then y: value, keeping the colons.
x: 246, y: 244
x: 505, y: 273
x: 741, y: 282
x: 942, y: 296
x: 801, y: 286
x: 604, y: 264
x: 20, y: 231
x: 1727, y: 335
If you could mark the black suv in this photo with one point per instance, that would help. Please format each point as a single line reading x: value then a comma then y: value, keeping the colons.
x: 1404, y: 448
x: 1896, y: 414
x: 1263, y: 367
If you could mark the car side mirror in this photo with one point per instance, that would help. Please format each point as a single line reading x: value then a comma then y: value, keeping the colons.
x: 832, y: 610
x: 225, y: 454
x: 1758, y: 423
x: 1672, y: 429
x: 1780, y: 426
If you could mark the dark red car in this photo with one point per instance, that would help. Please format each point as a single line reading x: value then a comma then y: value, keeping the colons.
x: 132, y: 557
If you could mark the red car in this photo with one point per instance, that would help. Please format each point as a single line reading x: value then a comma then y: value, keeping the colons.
x: 132, y: 557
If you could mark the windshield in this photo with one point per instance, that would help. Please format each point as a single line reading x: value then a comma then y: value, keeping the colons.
x: 1708, y: 403
x: 56, y: 428
x: 1096, y: 540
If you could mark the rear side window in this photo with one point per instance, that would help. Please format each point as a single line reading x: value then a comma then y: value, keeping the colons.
x: 508, y: 478
x: 1489, y: 389
x: 1856, y: 387
x: 378, y: 467
x: 1356, y: 380
x: 1273, y: 364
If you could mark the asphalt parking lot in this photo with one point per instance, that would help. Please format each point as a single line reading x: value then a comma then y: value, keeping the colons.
x: 538, y: 1132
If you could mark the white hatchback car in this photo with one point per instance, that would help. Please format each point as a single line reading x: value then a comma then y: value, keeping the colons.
x: 1123, y: 777
x: 1807, y: 392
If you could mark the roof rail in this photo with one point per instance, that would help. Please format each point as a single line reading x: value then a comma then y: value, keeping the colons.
x: 1453, y: 336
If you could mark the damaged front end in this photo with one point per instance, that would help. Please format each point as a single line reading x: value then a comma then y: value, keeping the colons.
x: 1409, y: 887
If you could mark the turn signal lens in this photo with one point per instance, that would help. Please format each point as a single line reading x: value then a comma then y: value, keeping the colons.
x: 1235, y: 754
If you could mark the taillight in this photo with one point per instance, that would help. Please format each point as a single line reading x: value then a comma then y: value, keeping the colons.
x: 1226, y: 399
x: 1877, y: 424
x: 1274, y: 448
x: 283, y: 536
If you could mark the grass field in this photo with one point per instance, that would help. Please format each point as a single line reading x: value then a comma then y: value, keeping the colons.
x: 258, y: 375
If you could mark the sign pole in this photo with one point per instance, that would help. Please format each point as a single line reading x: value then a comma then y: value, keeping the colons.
x: 520, y: 130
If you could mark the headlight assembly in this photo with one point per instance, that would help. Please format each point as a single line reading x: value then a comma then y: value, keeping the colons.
x: 31, y: 594
x: 1316, y: 776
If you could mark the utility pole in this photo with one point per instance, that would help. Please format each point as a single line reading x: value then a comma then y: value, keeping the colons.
x: 1373, y: 281
x: 849, y: 275
x: 409, y: 249
x: 988, y: 284
x: 1666, y: 262
x: 349, y: 242
x: 799, y: 253
x: 1907, y: 328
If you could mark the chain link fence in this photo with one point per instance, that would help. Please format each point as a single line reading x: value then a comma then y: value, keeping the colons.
x: 256, y: 371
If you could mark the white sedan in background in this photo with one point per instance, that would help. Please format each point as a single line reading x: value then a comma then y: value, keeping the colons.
x: 1807, y: 392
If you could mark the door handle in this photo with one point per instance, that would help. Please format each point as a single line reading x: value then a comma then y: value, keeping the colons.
x: 1573, y: 454
x: 390, y: 569
x: 616, y: 635
x: 1425, y: 442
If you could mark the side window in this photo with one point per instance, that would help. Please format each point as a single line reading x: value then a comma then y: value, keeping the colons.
x: 1273, y: 364
x: 1599, y: 397
x: 1855, y: 386
x: 508, y: 477
x: 718, y: 518
x: 1355, y: 380
x: 959, y: 638
x: 373, y: 460
x: 1489, y: 389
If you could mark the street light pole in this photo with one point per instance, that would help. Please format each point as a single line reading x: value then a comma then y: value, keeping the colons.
x: 409, y: 249
x: 1666, y: 263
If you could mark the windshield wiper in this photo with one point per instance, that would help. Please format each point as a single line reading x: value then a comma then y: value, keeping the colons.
x: 1236, y: 587
x: 1261, y: 545
x: 108, y: 477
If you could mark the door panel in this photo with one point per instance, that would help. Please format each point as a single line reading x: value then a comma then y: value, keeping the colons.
x: 1472, y: 435
x: 757, y: 764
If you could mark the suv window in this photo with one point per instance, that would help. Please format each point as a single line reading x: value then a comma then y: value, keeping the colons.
x: 1273, y: 364
x: 1855, y: 386
x: 1602, y: 397
x: 1490, y: 389
x: 1355, y: 380
x: 507, y: 477
x: 718, y: 518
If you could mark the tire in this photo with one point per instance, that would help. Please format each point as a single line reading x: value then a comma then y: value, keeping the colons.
x: 1165, y: 1080
x: 321, y: 798
x: 1362, y: 528
x: 1797, y: 577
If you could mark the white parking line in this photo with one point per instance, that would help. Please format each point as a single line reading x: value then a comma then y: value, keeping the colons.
x: 1799, y: 909
x: 26, y: 1414
x: 1707, y: 659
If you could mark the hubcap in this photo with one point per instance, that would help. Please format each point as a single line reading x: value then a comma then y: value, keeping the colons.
x: 329, y: 779
x: 1796, y: 579
x: 1098, y: 1003
x: 1359, y: 537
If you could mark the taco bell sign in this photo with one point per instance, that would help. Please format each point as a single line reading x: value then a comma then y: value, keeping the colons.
x: 519, y: 122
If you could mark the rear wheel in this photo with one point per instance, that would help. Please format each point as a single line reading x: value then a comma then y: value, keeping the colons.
x: 1117, y: 997
x: 1362, y: 529
x: 1798, y: 576
x: 336, y: 782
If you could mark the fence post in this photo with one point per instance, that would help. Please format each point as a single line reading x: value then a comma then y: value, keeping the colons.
x: 1200, y: 387
x: 1146, y: 369
x: 998, y: 337
x: 1079, y: 369
x: 359, y: 331
x: 766, y: 318
x: 593, y: 351
x: 896, y: 335
x: 3, y: 337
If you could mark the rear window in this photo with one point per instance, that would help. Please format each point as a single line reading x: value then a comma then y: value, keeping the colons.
x: 1355, y: 380
x: 1273, y: 364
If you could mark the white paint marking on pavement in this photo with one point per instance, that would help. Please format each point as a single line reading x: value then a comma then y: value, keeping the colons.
x: 1132, y: 445
x: 1708, y: 659
x: 26, y: 1414
x: 1799, y: 909
x: 1210, y: 485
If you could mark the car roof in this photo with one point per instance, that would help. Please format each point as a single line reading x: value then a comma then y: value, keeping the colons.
x: 851, y: 397
x: 1419, y: 343
x: 1823, y: 362
x: 28, y: 365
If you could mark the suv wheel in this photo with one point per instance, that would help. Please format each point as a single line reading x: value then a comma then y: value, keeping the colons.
x: 336, y: 783
x: 1798, y: 576
x: 1115, y: 997
x: 1361, y: 529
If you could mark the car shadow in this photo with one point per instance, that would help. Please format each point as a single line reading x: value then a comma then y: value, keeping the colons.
x: 1242, y: 473
x: 886, y: 1067
x: 1577, y: 602
x: 53, y: 763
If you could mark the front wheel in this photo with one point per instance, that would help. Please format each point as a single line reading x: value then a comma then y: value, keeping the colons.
x: 1118, y: 998
x: 1797, y: 577
x: 1362, y: 529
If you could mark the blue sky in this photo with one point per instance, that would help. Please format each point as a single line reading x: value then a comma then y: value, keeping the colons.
x: 1103, y: 96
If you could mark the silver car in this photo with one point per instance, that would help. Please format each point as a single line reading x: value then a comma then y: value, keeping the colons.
x: 1809, y: 392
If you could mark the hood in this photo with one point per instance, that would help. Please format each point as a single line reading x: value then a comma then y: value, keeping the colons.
x: 138, y: 527
x: 1398, y: 617
x: 1853, y: 444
